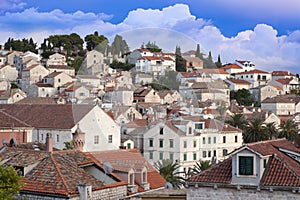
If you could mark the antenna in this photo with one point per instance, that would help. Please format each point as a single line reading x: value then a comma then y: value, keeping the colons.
x: 107, y: 167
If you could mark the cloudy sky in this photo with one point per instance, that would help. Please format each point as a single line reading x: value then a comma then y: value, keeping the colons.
x: 265, y: 32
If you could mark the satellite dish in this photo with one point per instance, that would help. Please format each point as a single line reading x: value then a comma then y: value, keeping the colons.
x: 107, y: 167
x: 168, y: 185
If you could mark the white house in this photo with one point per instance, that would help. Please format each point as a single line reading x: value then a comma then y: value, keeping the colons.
x: 94, y: 63
x: 61, y: 68
x: 255, y: 77
x: 99, y: 131
x: 232, y: 68
x: 246, y: 65
x: 56, y: 59
x: 21, y: 59
x: 155, y: 65
x: 190, y: 139
x: 237, y: 84
x: 8, y: 72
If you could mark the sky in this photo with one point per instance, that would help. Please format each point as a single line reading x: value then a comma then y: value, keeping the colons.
x: 264, y: 32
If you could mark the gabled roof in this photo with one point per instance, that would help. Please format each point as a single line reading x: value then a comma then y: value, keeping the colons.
x: 284, y: 81
x: 238, y: 81
x: 56, y: 173
x: 282, y: 73
x: 213, y: 71
x: 125, y: 159
x: 231, y: 66
x: 255, y: 71
x: 59, y: 116
x: 281, y: 170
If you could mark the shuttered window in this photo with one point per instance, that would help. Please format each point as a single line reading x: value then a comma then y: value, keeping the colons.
x: 245, y: 165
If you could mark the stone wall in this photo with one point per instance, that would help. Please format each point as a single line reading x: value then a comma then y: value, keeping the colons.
x: 110, y: 193
x: 206, y: 193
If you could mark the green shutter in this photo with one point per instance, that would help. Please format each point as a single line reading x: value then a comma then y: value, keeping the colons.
x: 245, y: 165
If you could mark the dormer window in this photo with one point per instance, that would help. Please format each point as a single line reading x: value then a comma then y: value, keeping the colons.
x: 199, y: 126
x: 144, y: 177
x: 131, y: 179
x: 246, y: 165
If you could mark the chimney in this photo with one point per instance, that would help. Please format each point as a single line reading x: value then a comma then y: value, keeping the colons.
x: 85, y: 191
x: 49, y: 142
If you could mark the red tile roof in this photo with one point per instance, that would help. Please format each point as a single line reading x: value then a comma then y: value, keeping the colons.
x: 255, y: 71
x: 281, y: 170
x: 231, y: 66
x: 57, y: 172
x: 282, y: 73
x: 239, y: 81
x: 133, y: 159
x: 284, y: 81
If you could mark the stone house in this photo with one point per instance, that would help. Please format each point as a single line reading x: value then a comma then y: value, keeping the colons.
x: 215, y: 74
x: 57, y: 59
x: 20, y: 61
x: 42, y: 90
x: 62, y: 121
x: 193, y: 63
x: 282, y: 105
x: 262, y: 92
x: 142, y: 78
x: 8, y: 73
x: 89, y: 80
x: 76, y: 175
x: 32, y: 74
x: 10, y: 57
x: 121, y: 96
x: 286, y: 84
x: 94, y: 64
x: 11, y: 96
x: 146, y: 94
x: 57, y: 79
x: 61, y: 68
x: 261, y: 170
x: 169, y: 96
x: 125, y: 114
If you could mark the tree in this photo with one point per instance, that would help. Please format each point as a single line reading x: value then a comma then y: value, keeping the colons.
x: 271, y: 130
x: 198, y: 52
x: 94, y: 40
x: 243, y: 97
x: 76, y: 63
x: 170, y: 171
x: 201, y: 166
x: 255, y: 131
x: 219, y: 63
x: 180, y: 62
x: 21, y: 45
x: 153, y: 47
x: 68, y: 145
x: 119, y: 46
x: 120, y: 65
x: 289, y: 130
x: 10, y: 182
x: 237, y: 120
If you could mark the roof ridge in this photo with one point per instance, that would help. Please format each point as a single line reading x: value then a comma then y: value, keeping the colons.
x: 13, y: 117
x: 265, y: 141
x: 59, y: 173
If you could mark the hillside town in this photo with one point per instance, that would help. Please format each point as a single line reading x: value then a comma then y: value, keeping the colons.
x: 145, y: 123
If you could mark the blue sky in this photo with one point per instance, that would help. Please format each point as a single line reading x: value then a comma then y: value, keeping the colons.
x: 266, y: 32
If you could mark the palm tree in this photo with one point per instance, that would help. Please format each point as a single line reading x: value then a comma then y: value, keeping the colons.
x: 289, y: 130
x: 170, y: 171
x: 237, y: 120
x: 201, y: 166
x: 272, y: 130
x: 255, y: 131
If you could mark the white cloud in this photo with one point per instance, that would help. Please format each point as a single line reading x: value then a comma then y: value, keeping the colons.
x: 171, y: 26
x: 11, y: 5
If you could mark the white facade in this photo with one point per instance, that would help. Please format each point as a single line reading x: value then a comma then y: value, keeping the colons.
x: 255, y: 77
x: 56, y: 59
x: 8, y: 72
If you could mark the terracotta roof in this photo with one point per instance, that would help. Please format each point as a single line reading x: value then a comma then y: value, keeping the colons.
x: 238, y: 81
x: 58, y: 172
x: 189, y: 74
x: 283, y: 99
x: 124, y: 159
x: 284, y: 81
x: 231, y: 66
x: 137, y: 123
x: 255, y: 71
x: 220, y: 173
x: 282, y: 73
x: 37, y: 100
x: 49, y: 115
x: 31, y: 67
x: 43, y: 85
x: 281, y: 170
x: 213, y: 71
x: 9, y: 121
x: 60, y: 67
x: 53, y: 74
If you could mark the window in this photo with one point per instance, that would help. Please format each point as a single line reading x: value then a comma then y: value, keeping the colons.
x: 195, y: 156
x: 190, y: 130
x: 215, y: 140
x: 204, y: 154
x: 224, y: 139
x: 42, y: 136
x: 209, y: 140
x: 161, y: 143
x: 184, y: 157
x: 128, y: 145
x: 203, y: 140
x: 171, y: 156
x: 246, y: 165
x: 265, y: 163
x: 161, y: 155
x: 131, y: 179
x: 144, y: 177
x: 225, y: 152
x: 150, y: 142
x: 236, y: 138
x: 58, y: 80
x: 195, y: 143
x: 110, y: 138
x: 209, y: 154
x: 171, y: 143
x: 215, y: 153
x: 150, y: 155
x: 81, y: 94
x: 184, y: 144
x: 161, y: 131
x: 96, y: 139
x: 199, y: 126
x: 57, y: 138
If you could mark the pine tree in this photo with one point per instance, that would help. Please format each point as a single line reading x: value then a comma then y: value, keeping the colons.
x: 219, y: 63
x: 198, y: 52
